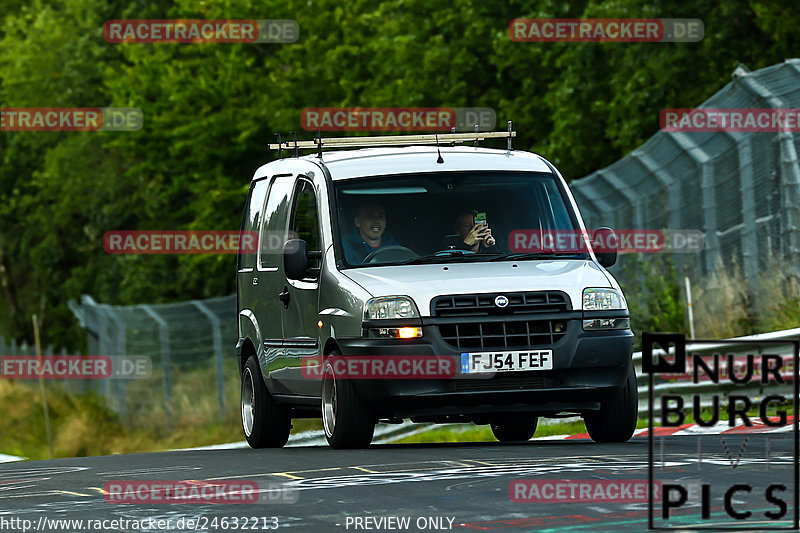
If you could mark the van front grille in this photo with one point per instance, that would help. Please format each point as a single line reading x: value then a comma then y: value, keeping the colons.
x: 458, y: 305
x: 506, y: 334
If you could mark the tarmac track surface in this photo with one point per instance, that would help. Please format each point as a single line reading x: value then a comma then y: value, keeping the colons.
x: 438, y: 487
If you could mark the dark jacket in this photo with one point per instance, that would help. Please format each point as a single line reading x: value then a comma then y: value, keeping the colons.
x: 356, y: 248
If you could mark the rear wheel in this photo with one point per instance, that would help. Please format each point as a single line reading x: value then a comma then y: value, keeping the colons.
x: 514, y: 428
x: 265, y: 423
x: 347, y: 422
x: 616, y: 420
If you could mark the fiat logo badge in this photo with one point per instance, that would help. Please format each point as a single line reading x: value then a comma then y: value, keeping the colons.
x: 501, y: 301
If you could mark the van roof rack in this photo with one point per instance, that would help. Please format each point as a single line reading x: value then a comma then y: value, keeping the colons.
x: 388, y: 140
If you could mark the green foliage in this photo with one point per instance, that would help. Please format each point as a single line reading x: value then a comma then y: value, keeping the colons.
x: 652, y: 287
x: 209, y: 109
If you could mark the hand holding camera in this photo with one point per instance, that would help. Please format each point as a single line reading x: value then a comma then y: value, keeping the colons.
x: 480, y: 232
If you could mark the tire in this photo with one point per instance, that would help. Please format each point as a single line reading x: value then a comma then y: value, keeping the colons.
x: 265, y: 423
x: 514, y: 428
x: 616, y: 420
x: 347, y: 423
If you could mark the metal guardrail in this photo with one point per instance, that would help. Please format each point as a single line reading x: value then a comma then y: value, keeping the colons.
x: 706, y: 389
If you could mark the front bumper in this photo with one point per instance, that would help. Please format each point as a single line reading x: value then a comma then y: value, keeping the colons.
x: 587, y: 367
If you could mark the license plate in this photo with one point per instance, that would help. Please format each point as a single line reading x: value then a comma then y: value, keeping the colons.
x: 486, y: 362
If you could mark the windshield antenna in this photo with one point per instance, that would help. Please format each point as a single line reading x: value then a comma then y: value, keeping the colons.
x: 439, y: 160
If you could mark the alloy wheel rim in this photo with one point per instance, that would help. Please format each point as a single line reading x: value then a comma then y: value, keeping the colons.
x: 329, y: 402
x: 248, y: 402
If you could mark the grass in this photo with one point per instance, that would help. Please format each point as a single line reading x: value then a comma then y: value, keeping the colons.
x: 82, y: 425
x: 473, y: 433
x: 725, y: 308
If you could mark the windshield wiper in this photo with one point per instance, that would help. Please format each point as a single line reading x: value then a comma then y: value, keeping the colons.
x: 539, y: 255
x: 447, y: 256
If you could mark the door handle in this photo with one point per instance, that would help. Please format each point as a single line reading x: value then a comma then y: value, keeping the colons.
x: 284, y: 297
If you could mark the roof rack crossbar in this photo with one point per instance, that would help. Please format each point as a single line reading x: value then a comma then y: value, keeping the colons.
x: 393, y: 140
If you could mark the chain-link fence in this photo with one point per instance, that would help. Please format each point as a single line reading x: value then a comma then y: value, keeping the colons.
x: 187, y: 342
x: 11, y: 347
x: 741, y: 189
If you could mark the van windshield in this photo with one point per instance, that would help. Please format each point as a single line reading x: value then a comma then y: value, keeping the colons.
x: 451, y: 217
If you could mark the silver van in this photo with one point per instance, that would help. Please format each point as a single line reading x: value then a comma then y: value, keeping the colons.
x: 385, y: 285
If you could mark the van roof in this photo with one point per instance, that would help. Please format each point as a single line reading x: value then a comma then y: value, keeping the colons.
x: 346, y: 164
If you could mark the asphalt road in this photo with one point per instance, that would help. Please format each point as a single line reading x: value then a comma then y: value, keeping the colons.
x: 434, y: 487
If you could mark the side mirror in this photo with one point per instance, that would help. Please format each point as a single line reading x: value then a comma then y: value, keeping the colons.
x: 295, y: 258
x: 605, y: 244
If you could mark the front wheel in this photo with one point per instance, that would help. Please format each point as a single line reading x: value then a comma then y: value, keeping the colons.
x: 265, y: 423
x: 347, y: 423
x: 616, y: 420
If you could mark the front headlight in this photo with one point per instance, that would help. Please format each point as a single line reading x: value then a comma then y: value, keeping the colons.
x: 603, y: 300
x: 390, y: 307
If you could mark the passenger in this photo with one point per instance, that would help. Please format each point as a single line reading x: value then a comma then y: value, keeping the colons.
x: 369, y: 233
x: 470, y: 235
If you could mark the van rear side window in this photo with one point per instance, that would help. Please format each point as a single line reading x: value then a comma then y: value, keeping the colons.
x: 273, y: 226
x: 252, y: 221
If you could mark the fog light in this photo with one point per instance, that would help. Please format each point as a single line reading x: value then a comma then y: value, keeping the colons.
x: 559, y: 327
x: 400, y: 333
x: 409, y: 333
x: 607, y: 323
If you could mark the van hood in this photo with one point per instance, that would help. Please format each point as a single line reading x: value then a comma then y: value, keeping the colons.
x: 425, y: 282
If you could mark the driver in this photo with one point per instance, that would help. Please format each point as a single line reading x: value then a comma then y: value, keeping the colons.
x: 369, y: 233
